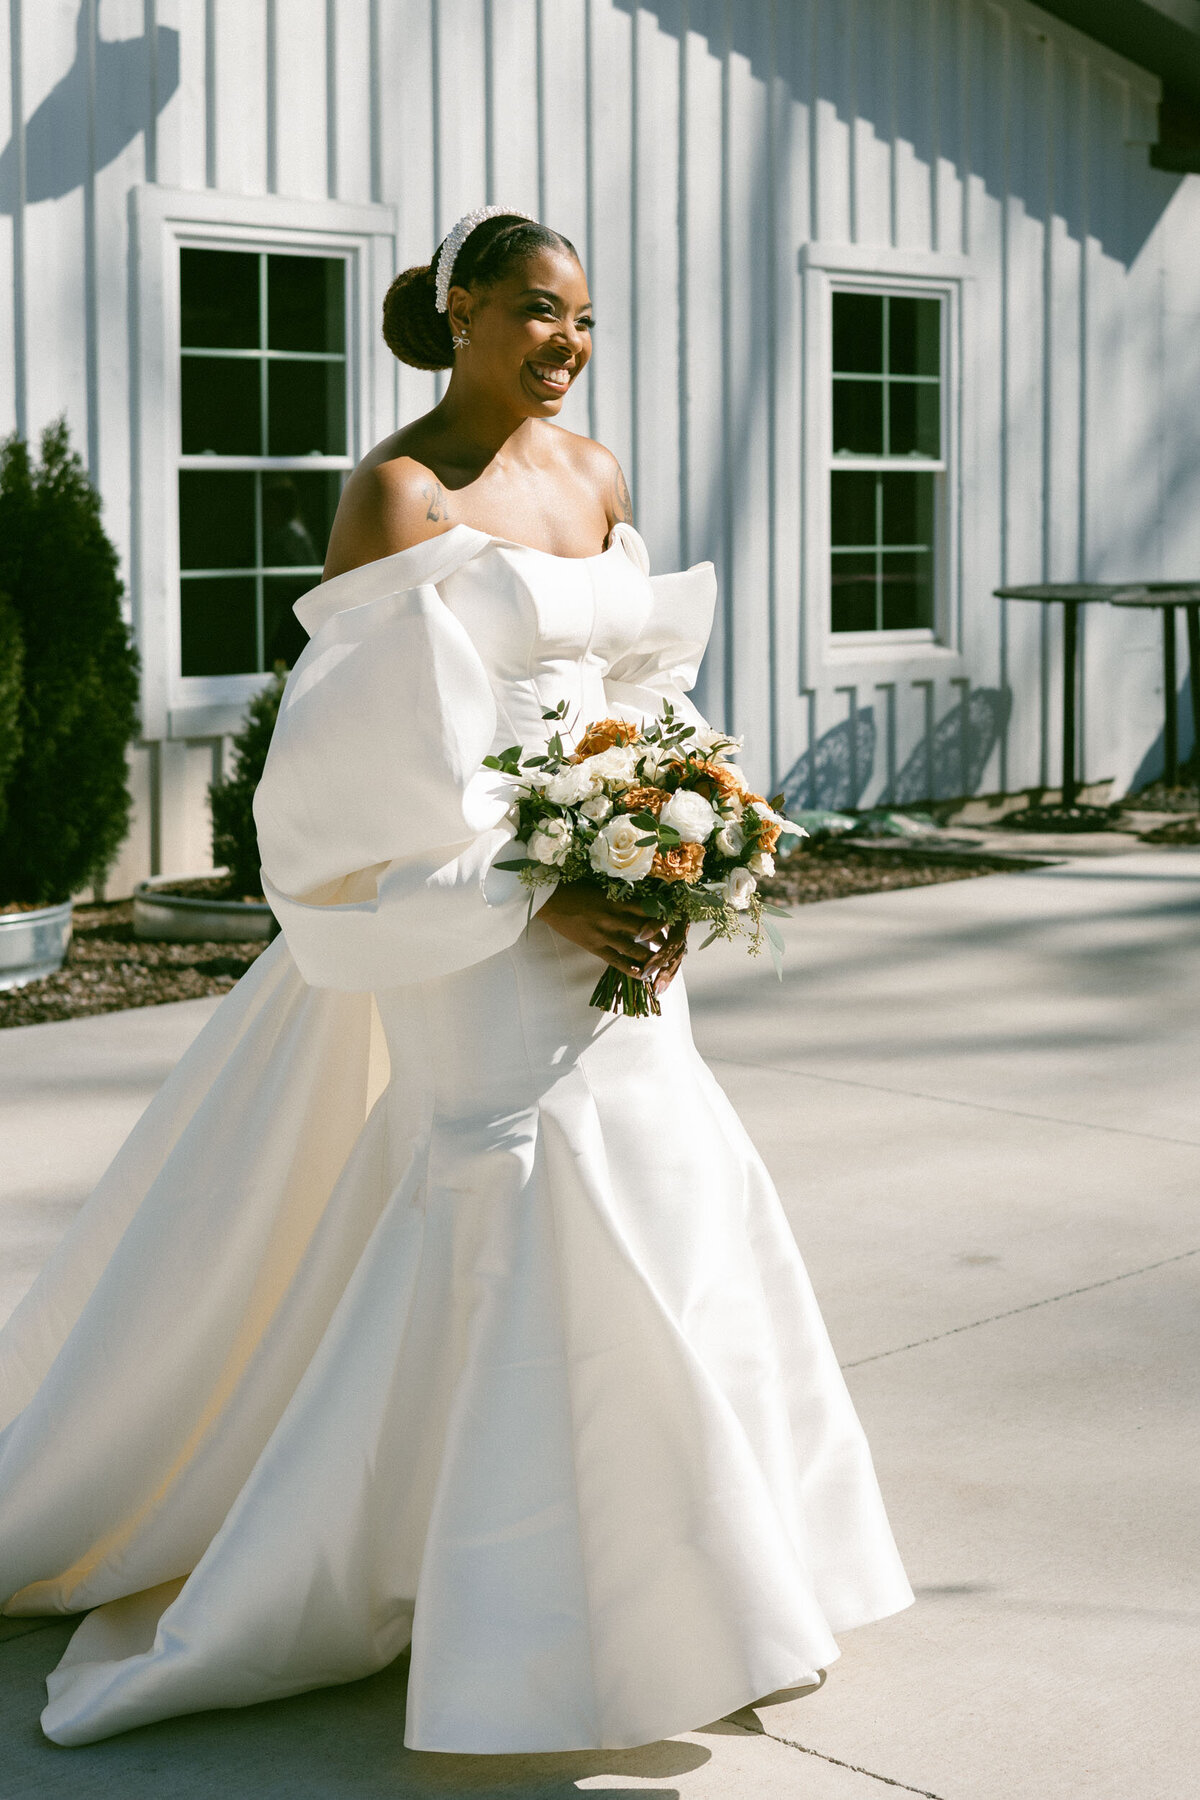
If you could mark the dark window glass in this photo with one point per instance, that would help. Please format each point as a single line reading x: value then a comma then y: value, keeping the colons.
x: 283, y: 635
x: 218, y: 626
x: 216, y: 520
x: 907, y: 590
x: 907, y: 508
x: 852, y: 498
x: 853, y: 591
x: 858, y: 333
x: 297, y: 515
x: 306, y: 303
x: 306, y: 408
x: 858, y: 418
x: 914, y: 336
x: 219, y: 299
x: 915, y: 418
x: 220, y: 406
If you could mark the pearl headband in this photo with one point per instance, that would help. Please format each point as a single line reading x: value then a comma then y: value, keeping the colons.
x: 455, y: 241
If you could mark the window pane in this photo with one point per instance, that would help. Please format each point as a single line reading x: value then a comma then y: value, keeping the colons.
x: 907, y: 590
x: 306, y: 407
x: 220, y: 406
x: 216, y: 520
x: 915, y: 425
x: 908, y: 509
x: 297, y: 515
x: 852, y: 592
x: 283, y: 635
x: 219, y: 299
x: 858, y: 418
x: 306, y: 303
x: 914, y: 336
x: 852, y: 507
x: 217, y: 625
x: 858, y: 333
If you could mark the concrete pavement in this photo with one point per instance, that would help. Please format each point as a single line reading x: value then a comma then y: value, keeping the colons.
x: 979, y: 1103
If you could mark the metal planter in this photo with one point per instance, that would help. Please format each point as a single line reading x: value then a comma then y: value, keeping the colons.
x: 33, y: 944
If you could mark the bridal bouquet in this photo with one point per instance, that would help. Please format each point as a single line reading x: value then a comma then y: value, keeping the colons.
x: 658, y: 812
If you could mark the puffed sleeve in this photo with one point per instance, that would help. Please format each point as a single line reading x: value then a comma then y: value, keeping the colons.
x: 665, y: 662
x: 378, y: 827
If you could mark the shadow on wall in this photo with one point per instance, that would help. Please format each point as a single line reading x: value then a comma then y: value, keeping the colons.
x: 56, y: 149
x: 946, y: 763
x: 1153, y: 765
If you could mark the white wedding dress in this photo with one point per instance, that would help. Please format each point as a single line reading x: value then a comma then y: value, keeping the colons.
x: 427, y: 1302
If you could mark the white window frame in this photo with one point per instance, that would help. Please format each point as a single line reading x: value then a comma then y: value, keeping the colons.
x: 830, y: 269
x: 165, y: 221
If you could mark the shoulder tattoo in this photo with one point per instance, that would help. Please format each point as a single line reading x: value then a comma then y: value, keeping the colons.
x: 435, y: 500
x: 622, y: 504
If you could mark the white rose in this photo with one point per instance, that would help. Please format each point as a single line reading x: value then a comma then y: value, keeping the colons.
x: 656, y: 758
x: 597, y: 808
x: 572, y: 784
x: 737, y: 888
x: 708, y: 740
x: 690, y: 814
x: 617, y: 850
x: 617, y: 763
x: 551, y: 841
x: 730, y: 838
x: 761, y: 863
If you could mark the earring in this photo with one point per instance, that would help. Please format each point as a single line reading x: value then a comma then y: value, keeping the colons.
x: 460, y: 343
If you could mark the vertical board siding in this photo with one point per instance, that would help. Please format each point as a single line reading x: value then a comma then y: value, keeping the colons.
x: 690, y: 148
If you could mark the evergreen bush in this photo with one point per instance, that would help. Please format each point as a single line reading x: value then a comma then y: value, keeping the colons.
x: 68, y: 800
x: 12, y: 668
x: 234, y: 836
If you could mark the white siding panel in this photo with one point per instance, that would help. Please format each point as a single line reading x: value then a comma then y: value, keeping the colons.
x: 239, y: 93
x: 833, y: 87
x: 55, y: 85
x: 705, y: 513
x: 12, y: 283
x: 407, y: 158
x: 611, y: 275
x: 871, y: 103
x: 353, y: 118
x: 300, y: 96
x: 565, y: 138
x: 459, y: 92
x: 182, y: 94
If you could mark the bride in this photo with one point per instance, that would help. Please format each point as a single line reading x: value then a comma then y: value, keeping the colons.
x: 427, y: 1304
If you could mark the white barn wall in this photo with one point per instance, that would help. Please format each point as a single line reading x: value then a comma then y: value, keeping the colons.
x: 690, y: 148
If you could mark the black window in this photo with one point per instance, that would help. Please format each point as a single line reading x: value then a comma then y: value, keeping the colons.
x: 887, y: 461
x: 264, y: 450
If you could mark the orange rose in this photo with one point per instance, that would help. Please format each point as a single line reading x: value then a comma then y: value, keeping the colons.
x: 603, y: 735
x: 683, y: 862
x: 718, y: 780
x: 643, y: 799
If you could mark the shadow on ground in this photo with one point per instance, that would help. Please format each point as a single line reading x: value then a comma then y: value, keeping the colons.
x: 343, y: 1743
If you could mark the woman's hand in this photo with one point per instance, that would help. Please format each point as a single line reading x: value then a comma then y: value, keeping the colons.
x: 617, y: 931
x: 663, y: 966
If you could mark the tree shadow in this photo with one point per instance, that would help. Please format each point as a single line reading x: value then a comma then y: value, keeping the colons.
x: 949, y: 762
x: 835, y: 771
x: 56, y: 149
x: 811, y: 46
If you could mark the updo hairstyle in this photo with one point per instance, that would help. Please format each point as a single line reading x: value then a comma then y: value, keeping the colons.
x: 414, y: 329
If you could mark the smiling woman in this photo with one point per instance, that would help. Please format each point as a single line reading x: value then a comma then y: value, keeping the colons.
x: 429, y: 1305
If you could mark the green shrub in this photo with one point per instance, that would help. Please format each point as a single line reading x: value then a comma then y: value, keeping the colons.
x: 68, y: 800
x: 234, y: 838
x: 12, y: 666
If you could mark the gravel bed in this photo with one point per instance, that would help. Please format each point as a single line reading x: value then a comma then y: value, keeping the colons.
x: 108, y: 969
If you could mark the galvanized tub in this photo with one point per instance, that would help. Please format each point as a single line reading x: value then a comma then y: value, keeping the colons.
x: 33, y: 944
x: 187, y: 919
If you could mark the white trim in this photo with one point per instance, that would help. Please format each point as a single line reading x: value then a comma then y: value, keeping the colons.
x: 823, y: 268
x: 161, y: 220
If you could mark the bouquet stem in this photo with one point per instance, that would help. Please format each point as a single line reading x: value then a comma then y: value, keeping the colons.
x: 628, y: 994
